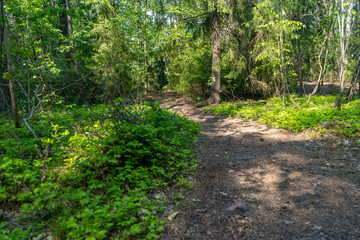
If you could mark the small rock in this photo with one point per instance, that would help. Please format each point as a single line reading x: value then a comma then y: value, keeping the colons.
x: 288, y: 222
x: 317, y: 227
x: 204, y: 210
x: 239, y: 205
x: 244, y: 158
x: 325, y: 124
x: 188, y: 233
x: 317, y: 184
x: 160, y: 195
x: 173, y: 216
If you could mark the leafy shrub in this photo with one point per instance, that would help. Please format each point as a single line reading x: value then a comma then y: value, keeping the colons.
x: 296, y: 116
x: 91, y: 174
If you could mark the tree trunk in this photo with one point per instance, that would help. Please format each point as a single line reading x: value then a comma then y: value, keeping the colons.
x: 69, y: 18
x: 9, y: 70
x: 216, y: 54
x: 344, y: 22
x: 301, y: 84
x: 322, y: 63
x: 76, y: 64
x: 145, y: 50
x: 355, y: 78
x: 63, y: 19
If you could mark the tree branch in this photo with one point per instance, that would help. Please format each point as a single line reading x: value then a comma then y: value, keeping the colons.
x: 12, y: 130
x: 188, y: 18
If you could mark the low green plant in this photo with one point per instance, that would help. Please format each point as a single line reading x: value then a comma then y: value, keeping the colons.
x: 91, y: 173
x: 295, y: 115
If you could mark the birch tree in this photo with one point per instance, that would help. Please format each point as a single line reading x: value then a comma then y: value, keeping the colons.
x: 344, y: 21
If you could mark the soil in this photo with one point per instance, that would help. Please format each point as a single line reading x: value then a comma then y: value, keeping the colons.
x: 258, y: 182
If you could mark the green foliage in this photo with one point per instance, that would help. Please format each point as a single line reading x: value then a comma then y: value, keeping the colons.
x: 192, y: 69
x: 319, y: 115
x: 91, y: 174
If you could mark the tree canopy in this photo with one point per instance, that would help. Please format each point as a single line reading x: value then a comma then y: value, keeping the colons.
x: 88, y: 51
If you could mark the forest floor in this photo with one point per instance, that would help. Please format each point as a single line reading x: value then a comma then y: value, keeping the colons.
x: 258, y: 182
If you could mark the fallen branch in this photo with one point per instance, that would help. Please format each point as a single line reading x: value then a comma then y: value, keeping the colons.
x: 12, y: 130
x: 4, y: 114
x: 31, y: 114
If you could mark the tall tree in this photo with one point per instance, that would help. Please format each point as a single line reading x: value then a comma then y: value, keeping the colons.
x: 76, y: 63
x: 216, y: 54
x: 9, y: 69
x: 344, y: 20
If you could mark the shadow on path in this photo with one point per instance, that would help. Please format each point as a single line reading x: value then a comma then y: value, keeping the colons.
x: 257, y: 182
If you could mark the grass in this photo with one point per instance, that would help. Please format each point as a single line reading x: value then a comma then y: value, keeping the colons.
x: 294, y: 115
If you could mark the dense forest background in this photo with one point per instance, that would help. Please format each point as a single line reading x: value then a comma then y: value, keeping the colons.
x: 89, y: 51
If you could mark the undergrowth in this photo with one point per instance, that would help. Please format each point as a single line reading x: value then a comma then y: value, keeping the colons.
x: 294, y: 115
x: 92, y: 171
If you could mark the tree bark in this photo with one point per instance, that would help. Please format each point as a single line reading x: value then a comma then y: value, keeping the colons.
x: 69, y: 18
x: 9, y: 70
x: 344, y: 22
x: 216, y: 56
x: 145, y: 49
x: 322, y: 63
x: 76, y: 64
x: 63, y: 19
x: 301, y: 84
x: 356, y: 75
x: 355, y: 78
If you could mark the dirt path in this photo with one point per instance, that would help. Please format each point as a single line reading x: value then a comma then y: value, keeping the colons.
x: 257, y: 182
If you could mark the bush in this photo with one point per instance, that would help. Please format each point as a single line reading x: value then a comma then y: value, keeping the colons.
x: 91, y: 174
x: 296, y: 116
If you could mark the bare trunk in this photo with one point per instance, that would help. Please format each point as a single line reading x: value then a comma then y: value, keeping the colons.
x: 344, y: 22
x: 322, y: 61
x: 356, y: 75
x: 69, y: 18
x: 321, y: 75
x: 216, y: 54
x: 76, y: 64
x: 355, y: 78
x: 322, y: 64
x: 145, y: 51
x: 28, y: 67
x: 9, y: 70
x: 301, y: 84
x: 281, y: 66
x: 63, y: 20
x: 145, y: 67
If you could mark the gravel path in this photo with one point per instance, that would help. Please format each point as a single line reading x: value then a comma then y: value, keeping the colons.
x: 258, y: 182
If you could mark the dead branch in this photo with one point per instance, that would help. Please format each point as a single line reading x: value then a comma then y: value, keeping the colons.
x: 12, y: 130
x: 31, y: 114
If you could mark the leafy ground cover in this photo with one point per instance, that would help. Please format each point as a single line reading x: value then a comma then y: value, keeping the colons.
x: 295, y: 115
x: 91, y: 171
